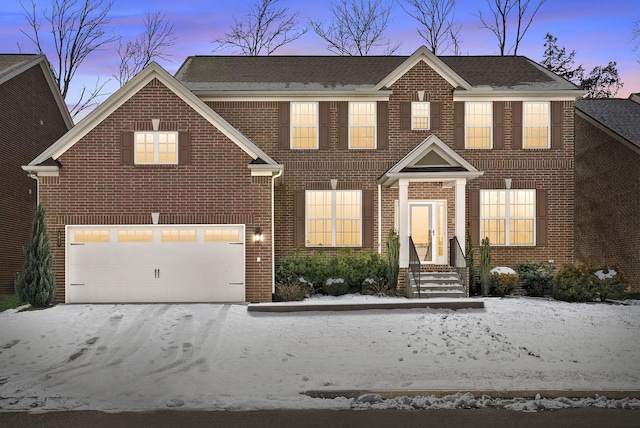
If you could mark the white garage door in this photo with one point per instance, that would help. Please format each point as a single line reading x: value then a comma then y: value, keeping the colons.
x: 163, y: 263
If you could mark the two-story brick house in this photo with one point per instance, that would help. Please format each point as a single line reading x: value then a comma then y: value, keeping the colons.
x: 34, y: 115
x: 308, y: 152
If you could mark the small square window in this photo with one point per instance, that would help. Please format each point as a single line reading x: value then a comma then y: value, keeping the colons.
x: 156, y: 147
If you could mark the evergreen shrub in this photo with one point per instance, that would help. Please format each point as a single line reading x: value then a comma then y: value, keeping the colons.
x: 574, y: 283
x: 537, y: 278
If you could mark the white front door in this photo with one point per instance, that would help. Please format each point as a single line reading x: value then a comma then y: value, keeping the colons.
x: 427, y: 228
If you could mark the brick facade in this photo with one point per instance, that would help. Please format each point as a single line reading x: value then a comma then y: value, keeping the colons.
x: 607, y: 202
x: 31, y: 121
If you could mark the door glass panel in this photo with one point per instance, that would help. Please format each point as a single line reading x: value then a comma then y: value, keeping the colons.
x: 421, y: 231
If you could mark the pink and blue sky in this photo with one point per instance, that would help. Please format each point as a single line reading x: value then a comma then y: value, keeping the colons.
x: 599, y: 31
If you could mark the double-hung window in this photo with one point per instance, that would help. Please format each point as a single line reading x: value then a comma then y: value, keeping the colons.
x: 334, y: 218
x: 304, y: 125
x: 536, y: 125
x: 156, y: 147
x: 508, y: 217
x: 362, y: 125
x: 478, y: 119
x: 420, y: 115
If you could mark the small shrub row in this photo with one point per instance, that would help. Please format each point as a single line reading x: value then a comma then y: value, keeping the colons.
x: 583, y: 283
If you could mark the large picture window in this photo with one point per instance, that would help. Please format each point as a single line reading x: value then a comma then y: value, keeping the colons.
x: 304, y: 125
x: 478, y: 119
x: 536, y: 125
x: 156, y: 147
x: 508, y: 217
x: 362, y: 125
x: 333, y: 218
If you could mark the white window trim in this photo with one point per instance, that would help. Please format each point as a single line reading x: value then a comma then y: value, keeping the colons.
x: 507, y: 217
x: 375, y: 124
x: 291, y: 125
x: 333, y: 219
x: 427, y: 116
x: 524, y: 125
x: 466, y: 125
x: 155, y: 147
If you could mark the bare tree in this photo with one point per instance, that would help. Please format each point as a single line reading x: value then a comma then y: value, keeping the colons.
x: 357, y: 27
x: 437, y: 19
x: 635, y: 37
x: 152, y: 44
x: 500, y: 21
x: 263, y: 30
x: 76, y: 29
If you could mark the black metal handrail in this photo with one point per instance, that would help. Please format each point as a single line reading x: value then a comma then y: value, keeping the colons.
x: 414, y: 264
x: 456, y: 255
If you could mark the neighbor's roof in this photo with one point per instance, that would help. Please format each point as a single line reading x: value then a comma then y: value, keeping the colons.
x: 13, y: 62
x: 265, y: 73
x: 621, y: 116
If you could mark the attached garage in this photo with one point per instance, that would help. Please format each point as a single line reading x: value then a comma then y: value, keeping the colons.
x: 155, y: 263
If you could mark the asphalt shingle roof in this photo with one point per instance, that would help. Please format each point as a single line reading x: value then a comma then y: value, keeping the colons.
x: 622, y: 116
x: 351, y: 72
x: 9, y: 62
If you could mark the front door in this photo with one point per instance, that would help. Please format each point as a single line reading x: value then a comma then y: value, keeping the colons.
x: 427, y: 229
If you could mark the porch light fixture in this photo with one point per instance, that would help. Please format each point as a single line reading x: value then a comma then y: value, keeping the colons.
x: 155, y: 217
x: 257, y: 235
x: 507, y: 183
x: 156, y: 124
x: 420, y: 95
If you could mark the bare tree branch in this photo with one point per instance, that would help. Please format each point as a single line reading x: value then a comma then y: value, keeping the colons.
x: 357, y: 27
x: 437, y: 19
x: 263, y: 30
x: 136, y: 54
x: 77, y: 30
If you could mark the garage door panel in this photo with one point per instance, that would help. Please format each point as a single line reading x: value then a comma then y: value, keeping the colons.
x: 155, y: 271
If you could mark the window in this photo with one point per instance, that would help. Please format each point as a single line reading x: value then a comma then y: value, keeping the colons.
x: 334, y: 218
x: 535, y: 125
x: 304, y: 125
x: 178, y: 235
x: 135, y: 236
x: 222, y: 235
x: 478, y: 125
x: 156, y: 147
x: 362, y: 125
x: 420, y: 113
x: 508, y: 217
x: 91, y: 235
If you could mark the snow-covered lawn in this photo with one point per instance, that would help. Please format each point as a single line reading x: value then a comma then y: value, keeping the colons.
x: 201, y: 356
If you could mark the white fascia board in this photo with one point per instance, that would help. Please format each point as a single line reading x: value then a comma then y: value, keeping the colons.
x: 421, y: 148
x: 505, y: 95
x: 42, y: 171
x: 289, y: 96
x: 265, y: 169
x: 391, y: 179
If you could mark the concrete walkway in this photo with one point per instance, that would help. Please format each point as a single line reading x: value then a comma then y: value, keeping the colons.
x: 454, y: 304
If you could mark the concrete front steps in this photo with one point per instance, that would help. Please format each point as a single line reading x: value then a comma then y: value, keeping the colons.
x: 436, y: 284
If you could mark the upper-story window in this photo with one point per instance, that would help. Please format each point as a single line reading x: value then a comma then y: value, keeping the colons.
x: 304, y: 125
x: 508, y: 217
x: 536, y: 125
x: 362, y: 125
x: 156, y: 147
x: 478, y: 120
x: 420, y: 115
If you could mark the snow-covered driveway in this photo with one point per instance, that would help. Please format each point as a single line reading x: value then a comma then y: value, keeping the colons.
x: 207, y: 356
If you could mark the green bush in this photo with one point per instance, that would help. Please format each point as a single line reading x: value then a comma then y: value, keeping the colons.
x: 297, y: 268
x: 375, y: 288
x: 537, y: 278
x: 609, y: 284
x: 485, y: 267
x: 503, y: 283
x: 293, y: 292
x: 335, y: 287
x: 574, y: 283
x: 393, y: 259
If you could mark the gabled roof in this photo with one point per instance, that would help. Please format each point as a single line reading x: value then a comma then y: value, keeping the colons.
x: 220, y: 74
x: 12, y: 65
x: 619, y: 116
x: 153, y: 71
x: 430, y: 160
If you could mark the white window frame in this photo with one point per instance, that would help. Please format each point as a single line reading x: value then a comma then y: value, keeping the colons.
x: 414, y: 115
x: 508, y: 193
x: 333, y: 219
x: 467, y: 113
x: 156, y: 144
x: 375, y: 124
x: 525, y: 126
x: 293, y: 125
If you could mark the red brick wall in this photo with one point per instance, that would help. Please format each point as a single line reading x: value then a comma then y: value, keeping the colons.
x: 548, y: 169
x: 29, y: 123
x: 607, y: 202
x: 217, y: 187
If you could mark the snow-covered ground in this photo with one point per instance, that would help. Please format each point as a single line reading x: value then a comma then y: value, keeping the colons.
x: 201, y: 356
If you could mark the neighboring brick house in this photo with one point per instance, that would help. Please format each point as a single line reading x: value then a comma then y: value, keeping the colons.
x: 607, y: 134
x: 339, y: 149
x: 34, y: 115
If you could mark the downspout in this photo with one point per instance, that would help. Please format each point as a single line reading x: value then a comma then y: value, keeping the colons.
x: 379, y: 219
x: 273, y: 235
x: 35, y: 177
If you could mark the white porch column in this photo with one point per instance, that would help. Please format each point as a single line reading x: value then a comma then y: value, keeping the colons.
x: 461, y: 213
x: 403, y: 221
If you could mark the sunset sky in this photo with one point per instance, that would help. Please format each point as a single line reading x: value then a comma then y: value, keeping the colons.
x: 598, y: 31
